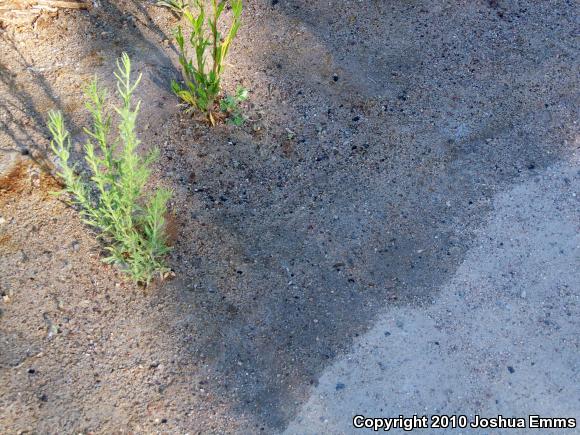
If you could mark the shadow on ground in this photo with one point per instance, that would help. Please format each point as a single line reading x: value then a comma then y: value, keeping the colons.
x: 405, y: 120
x: 435, y: 109
x: 31, y: 84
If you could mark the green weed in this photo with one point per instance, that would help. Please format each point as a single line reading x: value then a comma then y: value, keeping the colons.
x: 112, y: 198
x: 230, y: 105
x: 201, y: 82
x: 176, y: 6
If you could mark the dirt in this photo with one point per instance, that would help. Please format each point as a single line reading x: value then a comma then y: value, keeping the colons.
x: 501, y: 338
x: 379, y: 133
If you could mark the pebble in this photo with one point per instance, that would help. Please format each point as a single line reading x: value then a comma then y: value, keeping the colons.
x: 60, y: 305
x: 22, y: 257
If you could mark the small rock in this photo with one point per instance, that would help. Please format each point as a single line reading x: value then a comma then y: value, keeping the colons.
x: 60, y: 305
x: 35, y: 180
x: 510, y: 369
x: 75, y: 245
x: 340, y: 386
x: 22, y: 257
x: 52, y: 331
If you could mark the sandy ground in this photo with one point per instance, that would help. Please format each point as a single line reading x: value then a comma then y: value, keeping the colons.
x: 501, y: 338
x: 382, y: 136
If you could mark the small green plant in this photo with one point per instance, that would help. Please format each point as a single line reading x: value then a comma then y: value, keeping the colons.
x: 230, y: 105
x: 176, y: 6
x: 201, y: 82
x: 113, y: 199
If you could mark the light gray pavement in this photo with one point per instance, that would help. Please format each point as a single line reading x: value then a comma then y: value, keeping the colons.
x: 502, y: 337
